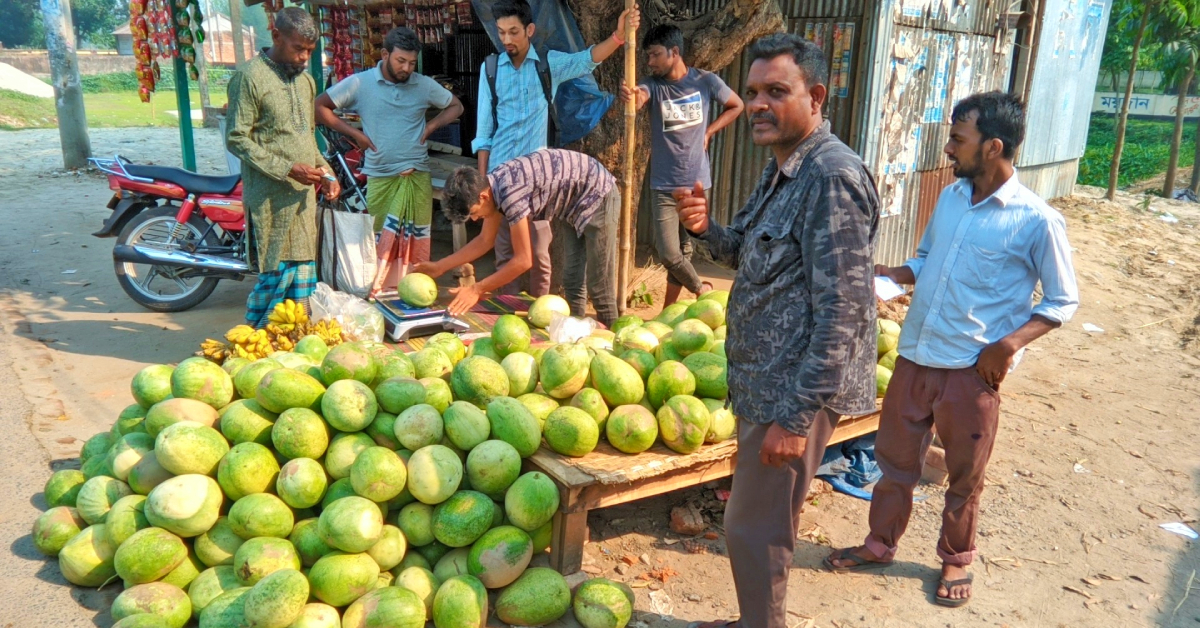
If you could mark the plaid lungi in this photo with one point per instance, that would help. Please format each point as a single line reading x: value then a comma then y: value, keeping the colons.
x: 292, y: 280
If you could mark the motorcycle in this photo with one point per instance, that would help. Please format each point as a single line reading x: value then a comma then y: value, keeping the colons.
x: 179, y: 233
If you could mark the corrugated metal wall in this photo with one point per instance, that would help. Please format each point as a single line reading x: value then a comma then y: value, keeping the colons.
x: 1060, y: 95
x: 843, y: 28
x: 928, y: 55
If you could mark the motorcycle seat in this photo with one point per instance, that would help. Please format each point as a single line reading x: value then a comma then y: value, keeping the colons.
x: 190, y: 181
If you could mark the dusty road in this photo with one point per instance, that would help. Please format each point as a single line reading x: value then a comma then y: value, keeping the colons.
x: 1098, y: 445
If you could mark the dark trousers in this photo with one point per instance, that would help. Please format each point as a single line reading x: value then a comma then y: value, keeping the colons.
x: 540, y: 237
x: 673, y: 244
x: 763, y: 517
x: 591, y: 260
x: 966, y: 411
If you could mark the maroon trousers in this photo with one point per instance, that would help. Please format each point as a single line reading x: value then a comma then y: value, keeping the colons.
x: 966, y: 411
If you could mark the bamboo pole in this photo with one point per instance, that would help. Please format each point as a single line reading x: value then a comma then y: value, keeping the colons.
x: 625, y: 260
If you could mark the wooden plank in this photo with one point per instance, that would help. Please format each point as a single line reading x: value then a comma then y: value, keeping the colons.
x: 568, y: 535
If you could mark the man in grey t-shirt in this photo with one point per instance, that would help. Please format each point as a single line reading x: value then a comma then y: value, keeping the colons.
x: 392, y: 100
x: 681, y: 99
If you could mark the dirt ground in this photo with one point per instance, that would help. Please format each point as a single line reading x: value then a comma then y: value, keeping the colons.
x: 1098, y: 446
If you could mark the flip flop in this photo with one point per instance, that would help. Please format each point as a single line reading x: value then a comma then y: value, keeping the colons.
x: 719, y: 623
x: 954, y: 602
x: 860, y: 563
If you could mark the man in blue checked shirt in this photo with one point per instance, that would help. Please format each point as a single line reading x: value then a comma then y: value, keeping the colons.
x: 522, y: 113
x: 989, y: 244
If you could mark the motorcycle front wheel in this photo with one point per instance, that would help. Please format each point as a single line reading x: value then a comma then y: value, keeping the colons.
x: 158, y: 287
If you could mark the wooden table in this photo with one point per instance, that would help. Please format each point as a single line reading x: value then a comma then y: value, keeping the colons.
x: 607, y: 477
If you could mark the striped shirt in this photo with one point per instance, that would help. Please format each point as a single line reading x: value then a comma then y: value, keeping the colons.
x: 551, y: 183
x: 521, y: 109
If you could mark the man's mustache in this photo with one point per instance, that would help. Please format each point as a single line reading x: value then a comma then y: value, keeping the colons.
x: 764, y: 116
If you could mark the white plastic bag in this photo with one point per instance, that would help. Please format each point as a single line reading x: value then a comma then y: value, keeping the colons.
x: 359, y: 320
x: 568, y: 328
x: 347, y: 255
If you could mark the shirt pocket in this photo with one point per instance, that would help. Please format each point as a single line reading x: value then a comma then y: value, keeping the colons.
x: 771, y: 251
x: 982, y: 266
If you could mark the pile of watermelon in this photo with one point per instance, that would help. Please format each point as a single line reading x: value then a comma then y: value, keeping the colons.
x: 639, y: 383
x: 887, y: 339
x: 354, y: 486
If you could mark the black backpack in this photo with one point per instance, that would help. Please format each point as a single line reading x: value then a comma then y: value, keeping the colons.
x: 543, y: 70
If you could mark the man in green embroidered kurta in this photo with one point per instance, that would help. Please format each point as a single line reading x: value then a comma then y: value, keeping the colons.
x: 270, y: 128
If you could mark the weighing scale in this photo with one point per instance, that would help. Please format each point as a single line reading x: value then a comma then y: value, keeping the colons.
x: 402, y: 321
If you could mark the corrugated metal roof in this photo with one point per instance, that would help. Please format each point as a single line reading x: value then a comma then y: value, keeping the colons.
x: 1064, y: 80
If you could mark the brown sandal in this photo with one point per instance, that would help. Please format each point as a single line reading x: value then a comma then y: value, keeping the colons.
x: 860, y: 563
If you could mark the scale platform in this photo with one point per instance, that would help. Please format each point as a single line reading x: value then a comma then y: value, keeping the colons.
x: 402, y: 321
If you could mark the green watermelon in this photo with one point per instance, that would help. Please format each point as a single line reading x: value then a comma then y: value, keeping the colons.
x: 218, y: 544
x: 667, y: 380
x: 247, y: 468
x: 348, y: 405
x: 247, y: 379
x: 531, y: 501
x: 434, y: 473
x: 276, y: 600
x: 538, y: 597
x: 55, y: 527
x: 171, y: 411
x: 339, y: 579
x: 349, y: 360
x: 165, y: 601
x: 500, y: 556
x: 571, y: 432
x: 710, y: 373
x: 683, y: 423
x: 300, y: 433
x: 479, y: 380
x: 197, y: 378
x: 418, y: 290
x: 245, y: 421
x: 631, y: 428
x: 378, y: 474
x: 510, y: 334
x: 63, y: 487
x: 462, y: 519
x: 259, y: 557
x: 461, y: 602
x: 148, y: 555
x: 564, y: 369
x: 492, y: 467
x: 261, y: 514
x: 151, y: 384
x: 514, y: 424
x: 283, y: 389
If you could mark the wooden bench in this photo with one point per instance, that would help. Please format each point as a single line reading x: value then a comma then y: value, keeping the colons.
x: 607, y: 477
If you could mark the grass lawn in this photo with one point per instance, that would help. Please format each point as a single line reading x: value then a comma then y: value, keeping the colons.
x: 1147, y: 150
x: 108, y: 109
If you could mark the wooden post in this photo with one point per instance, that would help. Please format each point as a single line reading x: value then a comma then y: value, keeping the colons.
x: 625, y: 260
x: 235, y: 25
x: 68, y: 92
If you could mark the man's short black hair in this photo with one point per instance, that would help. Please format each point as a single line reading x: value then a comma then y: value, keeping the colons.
x: 666, y: 35
x: 513, y: 8
x: 1001, y: 117
x: 808, y: 56
x: 401, y: 38
x: 461, y: 192
x: 296, y: 21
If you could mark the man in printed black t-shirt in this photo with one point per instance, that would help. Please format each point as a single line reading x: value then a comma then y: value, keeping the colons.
x: 681, y: 99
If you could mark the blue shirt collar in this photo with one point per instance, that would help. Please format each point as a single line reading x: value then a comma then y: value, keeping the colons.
x: 378, y: 76
x: 504, y: 58
x: 1003, y: 196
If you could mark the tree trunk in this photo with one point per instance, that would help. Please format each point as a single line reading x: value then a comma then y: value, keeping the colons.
x: 1177, y: 139
x: 68, y: 92
x: 1115, y: 168
x: 713, y: 40
x: 235, y: 25
x: 1195, y: 186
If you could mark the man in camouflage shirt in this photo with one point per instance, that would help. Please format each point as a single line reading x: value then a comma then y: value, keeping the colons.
x: 801, y: 316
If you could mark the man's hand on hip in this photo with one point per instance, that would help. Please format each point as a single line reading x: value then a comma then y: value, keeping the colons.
x: 994, y: 362
x: 364, y: 143
x: 781, y: 447
x: 306, y: 175
x: 693, y: 208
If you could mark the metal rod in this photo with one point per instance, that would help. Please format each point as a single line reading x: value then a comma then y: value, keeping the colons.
x: 625, y: 261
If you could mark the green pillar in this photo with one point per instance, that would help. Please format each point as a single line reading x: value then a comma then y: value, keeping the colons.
x: 316, y: 68
x: 187, y: 142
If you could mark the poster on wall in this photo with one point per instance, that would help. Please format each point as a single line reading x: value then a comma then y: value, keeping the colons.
x: 901, y: 136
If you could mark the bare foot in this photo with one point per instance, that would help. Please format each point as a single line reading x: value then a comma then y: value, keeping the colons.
x: 951, y: 573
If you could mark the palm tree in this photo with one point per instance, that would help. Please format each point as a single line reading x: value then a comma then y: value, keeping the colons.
x: 1164, y: 15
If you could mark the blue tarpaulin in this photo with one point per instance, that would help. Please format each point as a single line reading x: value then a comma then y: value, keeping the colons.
x: 580, y: 102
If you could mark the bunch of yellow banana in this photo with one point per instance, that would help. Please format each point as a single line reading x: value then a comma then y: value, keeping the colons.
x: 287, y: 315
x: 247, y: 342
x: 329, y: 330
x: 239, y: 335
x: 283, y: 343
x: 214, y: 350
